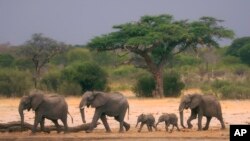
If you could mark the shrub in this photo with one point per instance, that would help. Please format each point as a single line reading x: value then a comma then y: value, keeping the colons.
x: 171, y: 84
x: 230, y: 90
x: 244, y: 54
x: 88, y: 75
x: 144, y: 86
x: 6, y: 60
x: 70, y: 88
x: 51, y: 81
x: 14, y: 82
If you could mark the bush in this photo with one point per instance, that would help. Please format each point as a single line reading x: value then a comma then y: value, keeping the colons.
x: 70, y: 88
x: 244, y: 54
x: 88, y: 75
x: 14, y: 82
x: 51, y: 81
x: 144, y: 86
x: 171, y: 84
x: 230, y: 90
x: 6, y: 60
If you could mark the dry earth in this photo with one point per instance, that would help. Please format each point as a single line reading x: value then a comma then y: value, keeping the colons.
x: 234, y: 112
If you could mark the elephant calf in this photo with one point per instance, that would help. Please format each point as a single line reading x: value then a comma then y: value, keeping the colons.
x: 147, y: 119
x: 169, y: 119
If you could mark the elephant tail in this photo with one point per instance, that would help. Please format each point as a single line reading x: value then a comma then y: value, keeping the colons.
x: 128, y: 112
x: 70, y: 117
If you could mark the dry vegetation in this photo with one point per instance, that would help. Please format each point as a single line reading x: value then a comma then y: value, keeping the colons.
x: 234, y: 112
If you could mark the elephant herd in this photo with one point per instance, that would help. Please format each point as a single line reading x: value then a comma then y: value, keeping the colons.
x: 54, y: 108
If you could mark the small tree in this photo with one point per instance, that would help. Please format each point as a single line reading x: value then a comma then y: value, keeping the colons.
x: 88, y: 75
x: 236, y: 45
x: 40, y: 50
x: 156, y: 39
x: 244, y: 54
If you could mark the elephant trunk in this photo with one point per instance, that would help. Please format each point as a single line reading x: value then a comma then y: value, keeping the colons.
x: 83, y: 115
x: 181, y: 108
x: 181, y: 119
x: 136, y: 123
x: 20, y: 109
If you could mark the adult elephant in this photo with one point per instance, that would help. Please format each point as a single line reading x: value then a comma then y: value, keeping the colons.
x: 110, y: 104
x: 52, y: 107
x: 201, y: 105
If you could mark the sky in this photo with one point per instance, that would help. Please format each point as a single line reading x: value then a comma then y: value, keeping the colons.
x: 78, y: 21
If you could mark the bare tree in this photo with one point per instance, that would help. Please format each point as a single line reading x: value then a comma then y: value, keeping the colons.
x: 41, y: 50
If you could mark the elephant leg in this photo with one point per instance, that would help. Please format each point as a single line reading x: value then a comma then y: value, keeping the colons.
x: 42, y: 126
x: 37, y: 120
x: 154, y: 126
x: 192, y: 117
x: 200, y: 114
x: 94, y: 120
x: 105, y: 123
x: 65, y: 124
x: 58, y: 128
x: 207, y: 123
x: 171, y: 130
x: 125, y: 124
x: 120, y: 120
x: 221, y: 122
x: 177, y: 127
x: 150, y: 127
x: 141, y: 127
x: 166, y: 126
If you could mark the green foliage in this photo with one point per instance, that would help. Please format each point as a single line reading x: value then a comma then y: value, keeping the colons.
x: 6, y: 60
x: 244, y: 54
x: 172, y: 85
x: 70, y: 88
x: 14, y: 82
x: 231, y: 90
x: 51, y: 81
x: 145, y: 85
x: 88, y: 75
x: 156, y: 39
x: 236, y: 45
x: 78, y: 54
x: 186, y: 60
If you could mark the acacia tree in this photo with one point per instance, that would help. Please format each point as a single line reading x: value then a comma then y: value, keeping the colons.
x: 40, y: 50
x: 156, y: 39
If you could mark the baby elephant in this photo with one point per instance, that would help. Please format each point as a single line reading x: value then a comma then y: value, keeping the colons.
x: 169, y: 119
x: 147, y: 119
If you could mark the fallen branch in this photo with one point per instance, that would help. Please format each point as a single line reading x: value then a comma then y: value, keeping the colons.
x: 15, y: 126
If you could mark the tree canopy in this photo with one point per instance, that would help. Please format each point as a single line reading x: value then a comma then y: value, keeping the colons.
x: 157, y: 38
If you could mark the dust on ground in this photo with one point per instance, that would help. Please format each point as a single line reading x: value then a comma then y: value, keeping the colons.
x: 234, y: 112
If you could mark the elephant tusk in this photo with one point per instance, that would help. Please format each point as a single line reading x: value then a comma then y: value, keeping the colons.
x: 82, y: 107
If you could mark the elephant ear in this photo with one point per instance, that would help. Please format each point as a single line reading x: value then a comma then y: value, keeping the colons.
x: 195, y: 101
x: 36, y: 100
x: 99, y: 99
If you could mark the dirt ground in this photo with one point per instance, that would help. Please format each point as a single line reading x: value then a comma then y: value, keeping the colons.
x: 234, y: 112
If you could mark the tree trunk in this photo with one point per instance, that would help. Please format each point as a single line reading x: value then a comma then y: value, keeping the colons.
x: 158, y: 77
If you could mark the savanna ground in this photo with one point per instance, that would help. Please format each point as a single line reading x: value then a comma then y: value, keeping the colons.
x: 234, y: 112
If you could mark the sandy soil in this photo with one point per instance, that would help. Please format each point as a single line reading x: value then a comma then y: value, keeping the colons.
x: 234, y: 112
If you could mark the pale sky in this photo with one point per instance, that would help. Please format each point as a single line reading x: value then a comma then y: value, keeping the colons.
x: 78, y: 21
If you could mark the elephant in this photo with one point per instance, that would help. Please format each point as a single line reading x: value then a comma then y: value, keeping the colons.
x: 201, y: 105
x: 169, y: 119
x: 52, y: 107
x: 106, y: 104
x: 147, y: 119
